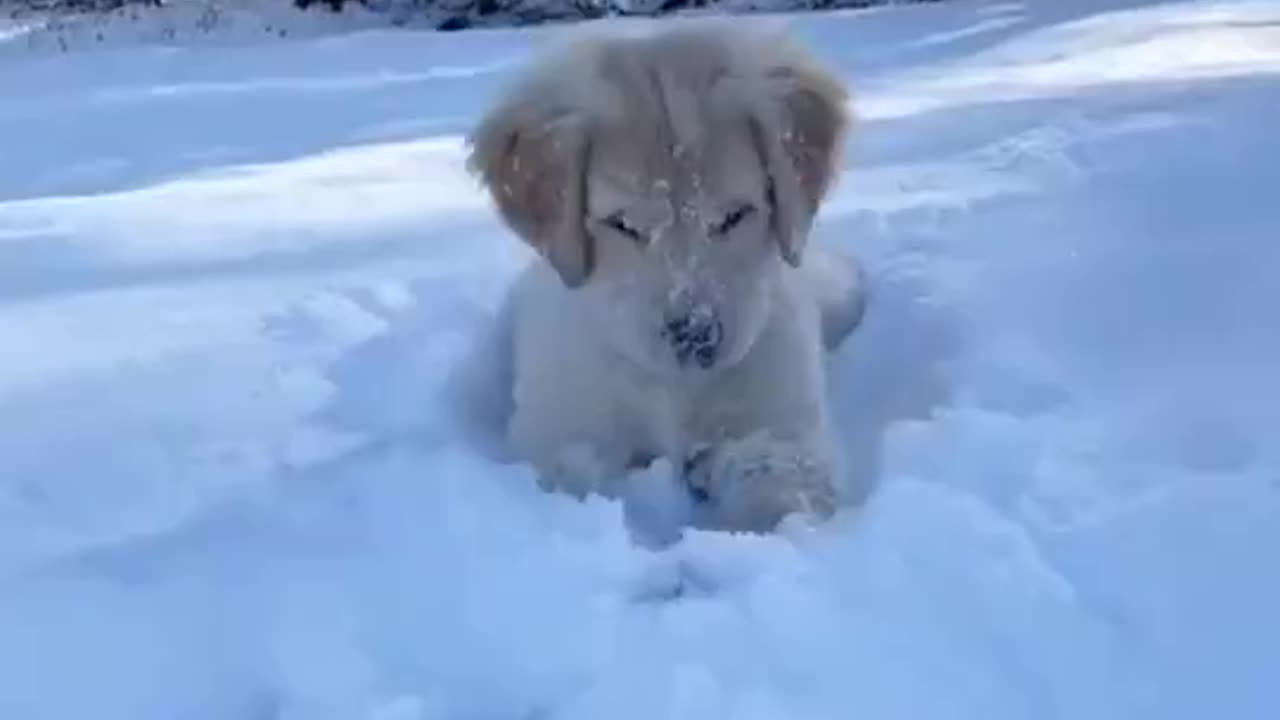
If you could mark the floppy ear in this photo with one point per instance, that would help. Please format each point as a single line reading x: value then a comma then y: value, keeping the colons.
x: 533, y: 160
x: 800, y: 133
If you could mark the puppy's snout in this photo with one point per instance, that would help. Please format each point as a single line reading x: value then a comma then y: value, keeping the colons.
x: 695, y: 336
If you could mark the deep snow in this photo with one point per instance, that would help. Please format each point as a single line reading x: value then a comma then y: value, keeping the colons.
x: 233, y: 282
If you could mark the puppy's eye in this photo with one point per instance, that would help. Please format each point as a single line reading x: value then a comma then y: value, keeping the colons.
x: 618, y: 223
x: 732, y: 220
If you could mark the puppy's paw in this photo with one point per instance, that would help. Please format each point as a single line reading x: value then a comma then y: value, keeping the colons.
x: 753, y: 484
x: 699, y: 464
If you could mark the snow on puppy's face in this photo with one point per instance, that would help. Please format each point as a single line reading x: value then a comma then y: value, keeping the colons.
x: 668, y: 177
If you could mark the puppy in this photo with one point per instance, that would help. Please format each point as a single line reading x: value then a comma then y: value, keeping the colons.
x: 668, y: 180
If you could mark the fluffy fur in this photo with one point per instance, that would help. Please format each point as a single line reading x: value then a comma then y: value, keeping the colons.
x: 668, y: 180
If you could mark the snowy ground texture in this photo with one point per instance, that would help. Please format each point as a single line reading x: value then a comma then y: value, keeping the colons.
x: 233, y: 281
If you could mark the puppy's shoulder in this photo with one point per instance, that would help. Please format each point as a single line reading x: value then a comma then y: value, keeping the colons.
x: 549, y: 320
x: 838, y: 284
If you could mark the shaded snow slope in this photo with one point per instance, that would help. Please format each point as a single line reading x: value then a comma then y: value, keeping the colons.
x: 233, y: 281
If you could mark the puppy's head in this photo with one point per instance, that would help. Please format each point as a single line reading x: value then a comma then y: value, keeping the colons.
x: 671, y: 174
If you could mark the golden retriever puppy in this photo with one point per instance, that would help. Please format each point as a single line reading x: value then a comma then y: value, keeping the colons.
x: 668, y: 179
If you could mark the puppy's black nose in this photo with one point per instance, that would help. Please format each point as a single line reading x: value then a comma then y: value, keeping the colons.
x: 694, y: 336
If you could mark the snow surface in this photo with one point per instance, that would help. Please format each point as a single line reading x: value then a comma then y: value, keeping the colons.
x: 234, y: 280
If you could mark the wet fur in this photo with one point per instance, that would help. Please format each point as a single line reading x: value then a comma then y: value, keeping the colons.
x: 621, y: 158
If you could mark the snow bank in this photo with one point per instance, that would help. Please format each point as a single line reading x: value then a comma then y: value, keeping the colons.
x: 230, y: 488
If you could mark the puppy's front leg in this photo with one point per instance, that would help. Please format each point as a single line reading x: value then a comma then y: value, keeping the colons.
x: 766, y: 451
x: 568, y: 464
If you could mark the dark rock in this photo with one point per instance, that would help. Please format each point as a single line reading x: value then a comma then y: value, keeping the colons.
x: 457, y: 22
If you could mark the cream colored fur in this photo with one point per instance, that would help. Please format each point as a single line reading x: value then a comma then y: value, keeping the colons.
x: 668, y: 179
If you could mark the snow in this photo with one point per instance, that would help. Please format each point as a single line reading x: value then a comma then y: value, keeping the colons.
x: 235, y: 280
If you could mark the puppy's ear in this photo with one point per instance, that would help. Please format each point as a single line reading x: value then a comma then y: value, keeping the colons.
x: 801, y: 133
x: 532, y: 159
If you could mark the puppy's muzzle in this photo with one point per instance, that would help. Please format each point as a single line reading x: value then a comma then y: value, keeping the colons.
x: 694, y: 336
